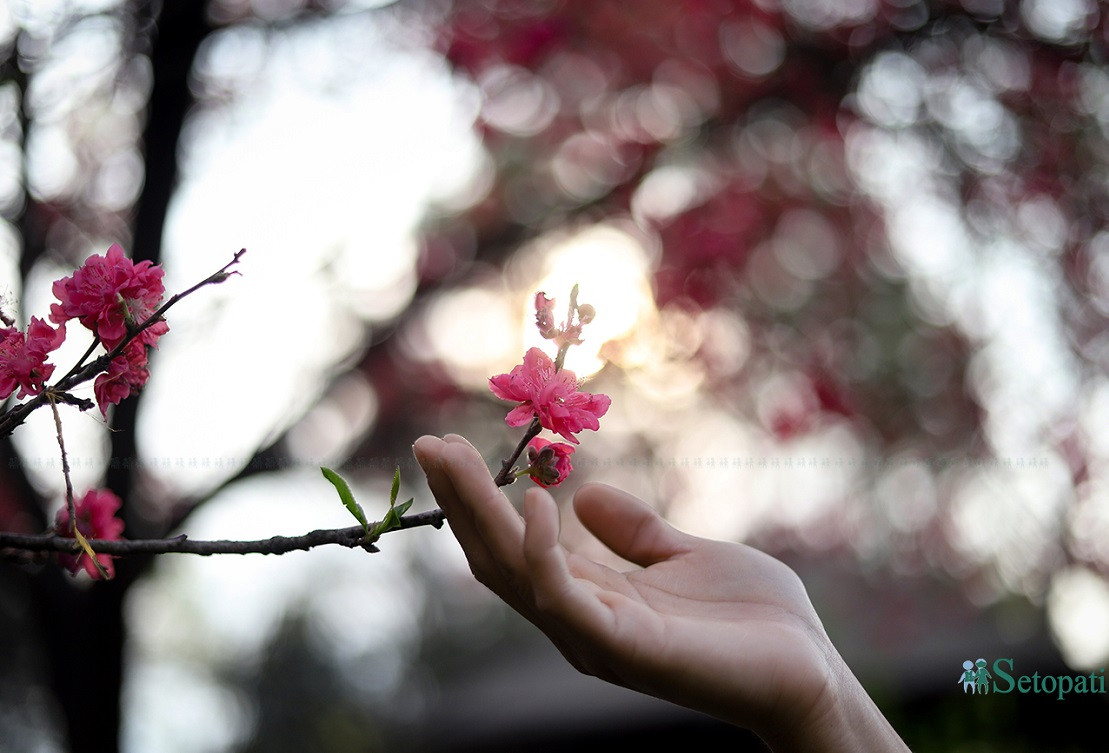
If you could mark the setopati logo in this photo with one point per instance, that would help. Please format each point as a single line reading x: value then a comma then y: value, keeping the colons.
x: 977, y: 678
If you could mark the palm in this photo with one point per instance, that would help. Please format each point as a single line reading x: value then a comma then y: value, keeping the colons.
x: 694, y: 609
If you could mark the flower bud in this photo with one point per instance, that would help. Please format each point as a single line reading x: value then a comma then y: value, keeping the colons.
x: 544, y: 315
x: 549, y: 462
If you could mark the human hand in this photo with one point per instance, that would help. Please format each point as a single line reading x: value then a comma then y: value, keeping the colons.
x: 715, y: 626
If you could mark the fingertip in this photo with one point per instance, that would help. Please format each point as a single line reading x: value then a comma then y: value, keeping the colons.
x: 430, y: 448
x: 626, y: 524
x: 595, y: 486
x: 597, y: 495
x: 427, y: 439
x: 461, y: 456
x: 594, y: 494
x: 428, y: 451
x: 535, y: 499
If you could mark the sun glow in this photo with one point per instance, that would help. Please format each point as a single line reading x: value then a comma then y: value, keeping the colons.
x: 610, y: 266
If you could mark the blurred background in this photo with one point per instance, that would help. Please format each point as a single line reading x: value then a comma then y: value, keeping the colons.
x: 851, y: 270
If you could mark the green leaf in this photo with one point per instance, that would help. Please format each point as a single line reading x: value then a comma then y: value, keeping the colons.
x: 391, y: 521
x: 396, y: 488
x: 388, y: 523
x: 402, y: 508
x: 346, y: 496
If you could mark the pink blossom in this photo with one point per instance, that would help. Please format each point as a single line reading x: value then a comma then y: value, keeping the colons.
x: 570, y: 332
x: 126, y: 375
x: 551, y: 395
x: 544, y: 315
x: 549, y: 462
x: 96, y: 519
x: 23, y: 357
x: 110, y: 292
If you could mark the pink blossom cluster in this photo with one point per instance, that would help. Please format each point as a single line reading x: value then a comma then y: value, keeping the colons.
x: 110, y: 293
x: 23, y: 357
x: 96, y: 519
x: 111, y: 296
x: 126, y: 375
x: 551, y: 396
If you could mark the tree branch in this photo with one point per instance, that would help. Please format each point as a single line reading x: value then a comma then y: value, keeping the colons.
x: 352, y: 537
x: 506, y: 477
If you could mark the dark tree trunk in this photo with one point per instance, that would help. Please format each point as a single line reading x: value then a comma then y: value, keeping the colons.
x: 84, y: 629
x: 175, y: 35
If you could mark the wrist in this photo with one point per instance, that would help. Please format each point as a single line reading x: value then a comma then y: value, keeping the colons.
x: 843, y: 719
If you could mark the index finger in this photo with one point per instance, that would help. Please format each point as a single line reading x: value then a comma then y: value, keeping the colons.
x: 461, y: 483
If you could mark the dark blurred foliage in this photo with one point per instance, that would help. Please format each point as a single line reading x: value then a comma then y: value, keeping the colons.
x: 721, y: 128
x: 301, y: 702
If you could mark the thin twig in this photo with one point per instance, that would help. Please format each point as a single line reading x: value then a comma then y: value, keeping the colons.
x: 506, y: 477
x: 69, y: 503
x: 71, y: 506
x: 81, y: 361
x: 213, y: 279
x: 352, y: 537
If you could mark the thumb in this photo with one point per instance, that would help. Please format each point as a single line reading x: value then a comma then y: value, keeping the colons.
x: 627, y: 525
